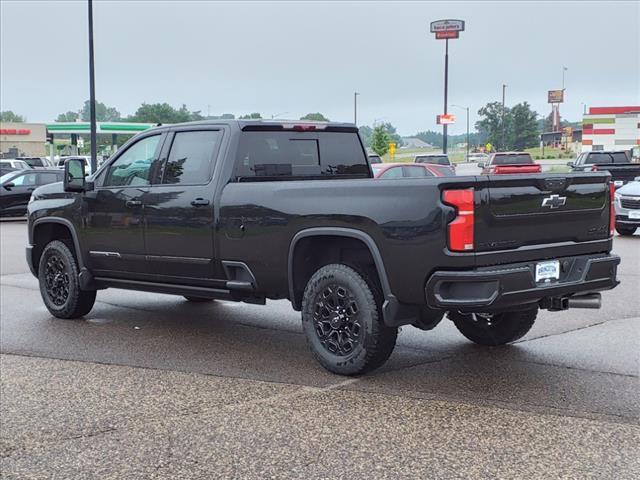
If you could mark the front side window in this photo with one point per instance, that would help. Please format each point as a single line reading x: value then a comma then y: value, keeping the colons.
x: 133, y: 167
x: 190, y: 157
x: 26, y: 180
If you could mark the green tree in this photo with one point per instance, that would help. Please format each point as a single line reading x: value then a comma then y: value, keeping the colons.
x: 490, y: 124
x: 9, y: 116
x: 366, y: 133
x: 251, y: 116
x: 394, y: 136
x: 315, y: 117
x: 68, y: 117
x: 163, y: 113
x: 523, y: 127
x: 103, y: 113
x: 380, y: 140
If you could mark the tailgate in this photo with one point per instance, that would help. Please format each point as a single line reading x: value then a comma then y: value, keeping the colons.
x: 517, y: 169
x: 535, y: 210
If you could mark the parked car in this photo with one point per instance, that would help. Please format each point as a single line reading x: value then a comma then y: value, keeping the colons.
x: 617, y: 163
x: 86, y: 160
x: 435, y: 158
x: 15, y: 164
x: 248, y: 210
x: 627, y: 201
x: 410, y: 170
x: 373, y: 159
x: 35, y: 162
x: 478, y: 158
x: 16, y: 188
x: 501, y: 163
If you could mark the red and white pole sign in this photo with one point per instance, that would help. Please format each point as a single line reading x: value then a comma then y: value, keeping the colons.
x: 446, y: 29
x: 446, y: 119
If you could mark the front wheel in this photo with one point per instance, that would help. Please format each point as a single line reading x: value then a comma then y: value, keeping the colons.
x: 59, y: 284
x: 625, y: 230
x: 494, y: 329
x: 342, y: 321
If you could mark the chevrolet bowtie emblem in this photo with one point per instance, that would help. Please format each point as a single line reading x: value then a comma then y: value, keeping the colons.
x: 554, y: 201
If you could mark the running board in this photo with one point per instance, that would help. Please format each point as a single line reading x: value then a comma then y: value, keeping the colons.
x: 172, y: 289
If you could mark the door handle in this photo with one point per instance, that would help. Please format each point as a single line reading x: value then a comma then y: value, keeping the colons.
x: 133, y: 203
x: 200, y: 202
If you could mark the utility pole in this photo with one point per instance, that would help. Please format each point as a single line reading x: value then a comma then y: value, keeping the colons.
x: 504, y: 87
x: 355, y: 108
x: 92, y: 95
x: 446, y: 91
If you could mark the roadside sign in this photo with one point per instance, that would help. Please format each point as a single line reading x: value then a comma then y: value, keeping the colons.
x: 446, y: 119
x: 447, y: 34
x: 488, y: 147
x: 448, y: 25
x: 392, y: 150
x: 555, y: 96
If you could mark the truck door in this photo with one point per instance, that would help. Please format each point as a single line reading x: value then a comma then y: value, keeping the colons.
x: 179, y: 208
x: 113, y: 235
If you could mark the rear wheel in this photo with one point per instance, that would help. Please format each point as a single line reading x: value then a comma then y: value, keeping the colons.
x: 494, y: 329
x: 197, y: 299
x: 625, y: 230
x: 59, y: 285
x: 342, y: 321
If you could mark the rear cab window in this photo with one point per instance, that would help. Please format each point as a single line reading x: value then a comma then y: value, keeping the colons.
x: 513, y: 159
x: 284, y: 154
x: 435, y: 159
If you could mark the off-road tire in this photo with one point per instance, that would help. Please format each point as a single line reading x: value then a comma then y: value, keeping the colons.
x: 374, y: 341
x: 505, y: 327
x: 75, y: 303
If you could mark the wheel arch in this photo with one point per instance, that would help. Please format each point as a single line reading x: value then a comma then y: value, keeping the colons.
x: 46, y: 229
x: 339, y: 232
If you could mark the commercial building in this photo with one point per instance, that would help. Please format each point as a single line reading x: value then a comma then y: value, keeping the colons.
x: 611, y: 128
x: 22, y: 139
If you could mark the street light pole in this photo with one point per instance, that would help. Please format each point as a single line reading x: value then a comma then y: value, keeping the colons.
x: 355, y: 108
x: 92, y: 95
x: 504, y: 87
x: 446, y: 91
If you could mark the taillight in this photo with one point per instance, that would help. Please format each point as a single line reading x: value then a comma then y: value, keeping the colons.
x: 612, y: 209
x: 461, y: 228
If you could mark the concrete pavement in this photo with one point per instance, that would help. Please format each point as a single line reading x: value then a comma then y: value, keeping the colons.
x: 150, y: 386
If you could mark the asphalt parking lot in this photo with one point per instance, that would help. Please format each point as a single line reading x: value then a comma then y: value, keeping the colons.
x: 150, y: 386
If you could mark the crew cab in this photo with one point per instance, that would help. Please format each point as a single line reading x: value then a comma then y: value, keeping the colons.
x: 501, y: 163
x: 254, y: 210
x: 617, y: 163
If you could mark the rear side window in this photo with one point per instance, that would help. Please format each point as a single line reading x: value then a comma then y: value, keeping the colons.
x: 191, y: 157
x: 279, y: 154
x: 512, y: 159
x: 393, y: 172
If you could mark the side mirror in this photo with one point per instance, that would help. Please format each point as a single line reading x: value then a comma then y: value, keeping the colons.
x: 74, y: 175
x: 570, y: 164
x: 480, y: 164
x: 9, y: 186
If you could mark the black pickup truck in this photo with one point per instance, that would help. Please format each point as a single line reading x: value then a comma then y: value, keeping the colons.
x: 249, y: 210
x: 617, y: 163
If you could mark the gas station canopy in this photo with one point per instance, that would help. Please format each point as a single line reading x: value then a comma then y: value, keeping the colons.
x: 102, y: 127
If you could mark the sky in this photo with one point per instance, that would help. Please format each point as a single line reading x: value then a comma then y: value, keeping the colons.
x: 292, y: 58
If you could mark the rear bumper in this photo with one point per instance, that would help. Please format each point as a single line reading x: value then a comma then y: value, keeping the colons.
x: 504, y: 286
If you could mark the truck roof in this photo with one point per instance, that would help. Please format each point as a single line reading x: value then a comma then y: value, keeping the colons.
x: 265, y: 124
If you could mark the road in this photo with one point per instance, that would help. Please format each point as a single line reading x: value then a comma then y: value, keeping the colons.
x: 150, y: 386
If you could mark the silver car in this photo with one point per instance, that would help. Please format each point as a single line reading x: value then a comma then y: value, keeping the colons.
x: 627, y: 203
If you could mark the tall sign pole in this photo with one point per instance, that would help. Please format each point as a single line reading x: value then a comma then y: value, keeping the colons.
x: 355, y: 108
x: 445, y: 30
x: 92, y: 94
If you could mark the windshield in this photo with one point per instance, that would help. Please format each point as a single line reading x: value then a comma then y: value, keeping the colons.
x: 515, y: 159
x: 7, y: 176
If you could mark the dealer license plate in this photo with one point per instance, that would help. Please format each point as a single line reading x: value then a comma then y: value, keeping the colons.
x: 634, y: 215
x: 547, y: 271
